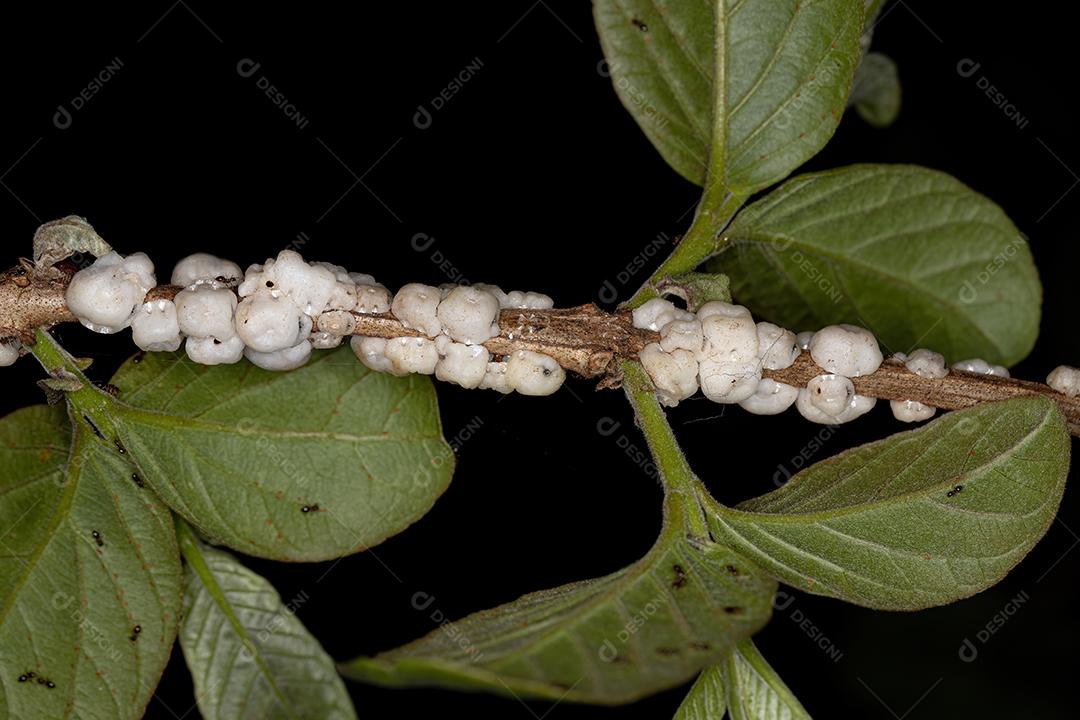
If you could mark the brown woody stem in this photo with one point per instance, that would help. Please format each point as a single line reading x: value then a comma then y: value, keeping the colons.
x: 584, y: 340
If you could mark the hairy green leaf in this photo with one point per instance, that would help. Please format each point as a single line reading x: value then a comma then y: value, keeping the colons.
x: 922, y: 518
x: 707, y: 699
x: 755, y: 691
x: 89, y: 574
x: 638, y: 631
x: 310, y: 464
x: 782, y: 68
x: 912, y: 254
x: 876, y: 93
x: 249, y: 655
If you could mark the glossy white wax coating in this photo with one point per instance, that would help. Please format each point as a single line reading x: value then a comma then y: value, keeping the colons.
x: 776, y: 346
x: 831, y: 394
x: 495, y: 378
x: 981, y: 367
x: 206, y: 311
x: 729, y: 369
x: 1065, y: 380
x: 463, y: 365
x: 770, y: 398
x: 412, y: 355
x: 846, y: 350
x: 206, y: 269
x: 288, y: 359
x: 106, y: 295
x: 859, y: 405
x: 155, y: 328
x: 926, y: 363
x: 9, y: 352
x: 682, y: 335
x: 267, y: 323
x: 210, y: 351
x: 372, y: 298
x: 675, y: 373
x: 527, y: 300
x: 654, y: 314
x: 532, y: 373
x: 416, y: 305
x: 911, y: 411
x: 308, y: 286
x: 371, y: 352
x: 468, y: 315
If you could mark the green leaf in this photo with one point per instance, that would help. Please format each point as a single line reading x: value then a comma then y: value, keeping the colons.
x: 311, y: 464
x: 876, y: 91
x: 707, y: 699
x: 698, y: 288
x: 922, y: 518
x: 755, y: 691
x: 912, y: 254
x: 613, y: 640
x: 783, y: 71
x: 249, y: 655
x: 86, y: 556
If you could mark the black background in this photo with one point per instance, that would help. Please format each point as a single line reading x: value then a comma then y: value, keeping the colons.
x: 533, y: 177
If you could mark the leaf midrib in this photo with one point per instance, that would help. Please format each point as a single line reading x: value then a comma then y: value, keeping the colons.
x: 824, y: 515
x: 201, y: 568
x: 172, y: 422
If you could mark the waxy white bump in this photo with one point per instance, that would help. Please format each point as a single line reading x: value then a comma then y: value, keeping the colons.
x: 416, y: 305
x: 831, y: 394
x: 532, y: 373
x: 209, y: 351
x: 155, y: 328
x: 846, y: 350
x: 1065, y: 380
x: 927, y: 364
x: 675, y: 373
x: 468, y: 315
x: 106, y: 295
x: 206, y: 269
x: 911, y: 410
x: 770, y: 398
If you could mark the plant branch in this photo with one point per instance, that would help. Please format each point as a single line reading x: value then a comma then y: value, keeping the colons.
x: 955, y: 391
x: 702, y: 241
x: 584, y: 340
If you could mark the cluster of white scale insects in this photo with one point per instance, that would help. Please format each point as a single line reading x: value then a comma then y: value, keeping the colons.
x: 268, y: 314
x: 722, y: 351
x: 276, y: 313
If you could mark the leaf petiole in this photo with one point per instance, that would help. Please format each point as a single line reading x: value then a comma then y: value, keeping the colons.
x: 675, y: 473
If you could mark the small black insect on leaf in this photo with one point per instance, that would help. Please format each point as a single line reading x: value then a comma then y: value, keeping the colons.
x: 135, y: 633
x: 680, y: 577
x: 639, y: 25
x: 137, y: 480
x: 97, y: 538
x: 23, y: 678
x: 138, y: 357
x: 314, y: 507
x: 107, y: 387
x: 50, y: 684
x: 119, y: 446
